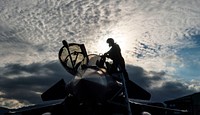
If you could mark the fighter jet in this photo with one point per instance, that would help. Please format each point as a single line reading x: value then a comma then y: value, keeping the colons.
x: 94, y: 89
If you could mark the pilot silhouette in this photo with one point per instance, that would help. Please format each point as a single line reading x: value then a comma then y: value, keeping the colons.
x: 115, y: 54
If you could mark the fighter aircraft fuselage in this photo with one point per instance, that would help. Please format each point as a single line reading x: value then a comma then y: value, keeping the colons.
x: 94, y: 85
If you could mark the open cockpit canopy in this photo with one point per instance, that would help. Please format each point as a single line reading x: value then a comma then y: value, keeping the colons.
x: 72, y: 56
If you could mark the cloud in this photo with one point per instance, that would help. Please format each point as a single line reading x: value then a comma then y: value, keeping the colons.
x: 171, y: 90
x: 153, y: 35
x: 11, y: 103
x: 40, y: 26
x: 30, y: 81
x: 161, y: 85
x: 28, y: 88
x: 35, y: 29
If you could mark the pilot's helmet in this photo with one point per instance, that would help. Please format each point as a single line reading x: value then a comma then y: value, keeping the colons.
x: 110, y: 41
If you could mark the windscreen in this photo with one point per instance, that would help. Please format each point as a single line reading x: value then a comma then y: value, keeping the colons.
x: 93, y: 58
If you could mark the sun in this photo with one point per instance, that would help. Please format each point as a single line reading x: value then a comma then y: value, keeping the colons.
x: 102, y: 46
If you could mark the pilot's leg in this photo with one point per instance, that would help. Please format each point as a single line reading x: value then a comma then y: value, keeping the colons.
x: 114, y: 67
x: 123, y: 69
x: 108, y: 67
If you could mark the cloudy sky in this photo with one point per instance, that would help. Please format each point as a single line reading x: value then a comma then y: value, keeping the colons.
x: 159, y: 40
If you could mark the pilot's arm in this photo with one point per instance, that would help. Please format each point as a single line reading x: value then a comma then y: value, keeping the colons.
x: 107, y: 54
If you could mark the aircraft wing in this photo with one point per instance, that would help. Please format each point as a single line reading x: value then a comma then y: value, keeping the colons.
x: 4, y: 110
x: 57, y: 91
x: 156, y: 108
x: 39, y: 109
x: 133, y: 88
x: 53, y: 99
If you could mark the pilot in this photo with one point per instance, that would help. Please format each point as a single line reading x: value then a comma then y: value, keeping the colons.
x: 115, y: 55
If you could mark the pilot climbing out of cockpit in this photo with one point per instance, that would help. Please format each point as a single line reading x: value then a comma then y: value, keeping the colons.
x: 115, y: 55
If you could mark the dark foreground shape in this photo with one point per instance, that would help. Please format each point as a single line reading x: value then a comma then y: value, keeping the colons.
x: 92, y: 91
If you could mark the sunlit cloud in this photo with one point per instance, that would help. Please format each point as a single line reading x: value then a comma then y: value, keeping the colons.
x: 1, y: 93
x: 11, y: 103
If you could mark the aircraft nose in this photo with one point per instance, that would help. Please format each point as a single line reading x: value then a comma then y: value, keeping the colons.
x: 90, y: 88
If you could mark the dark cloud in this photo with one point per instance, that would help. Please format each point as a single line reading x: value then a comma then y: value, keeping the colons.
x: 26, y: 88
x: 43, y: 75
x: 150, y: 81
x: 142, y: 77
x: 171, y: 90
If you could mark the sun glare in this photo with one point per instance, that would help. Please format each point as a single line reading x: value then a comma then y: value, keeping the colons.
x: 123, y: 36
x: 102, y: 46
x: 119, y: 38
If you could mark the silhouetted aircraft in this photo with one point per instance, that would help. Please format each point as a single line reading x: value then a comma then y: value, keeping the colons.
x: 94, y: 90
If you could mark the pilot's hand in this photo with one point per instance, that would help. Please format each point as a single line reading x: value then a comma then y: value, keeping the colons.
x: 105, y: 54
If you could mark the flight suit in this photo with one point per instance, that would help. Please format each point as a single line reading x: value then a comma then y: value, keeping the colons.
x: 118, y: 61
